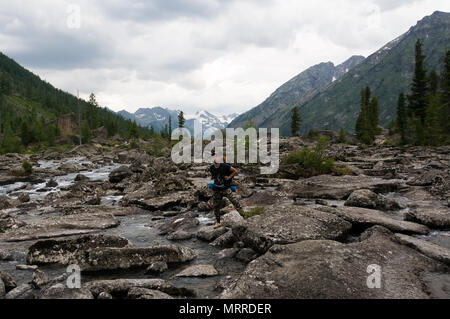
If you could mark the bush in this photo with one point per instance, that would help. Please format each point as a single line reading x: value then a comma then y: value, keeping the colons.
x: 253, y: 212
x: 134, y: 144
x: 27, y: 167
x: 311, y: 162
x: 340, y: 171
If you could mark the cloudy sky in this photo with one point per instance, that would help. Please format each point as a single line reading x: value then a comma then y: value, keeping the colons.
x: 224, y: 56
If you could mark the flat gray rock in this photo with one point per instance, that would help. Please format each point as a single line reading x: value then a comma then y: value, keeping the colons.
x: 289, y: 224
x: 198, y: 271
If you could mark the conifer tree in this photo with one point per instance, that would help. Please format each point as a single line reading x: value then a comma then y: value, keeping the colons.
x: 419, y: 100
x: 181, y: 120
x: 295, y: 121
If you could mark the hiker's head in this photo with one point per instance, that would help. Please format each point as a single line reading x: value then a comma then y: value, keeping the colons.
x: 217, y: 161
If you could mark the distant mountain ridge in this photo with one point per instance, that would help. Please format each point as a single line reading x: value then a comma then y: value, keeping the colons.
x: 284, y: 98
x: 335, y: 104
x: 158, y: 118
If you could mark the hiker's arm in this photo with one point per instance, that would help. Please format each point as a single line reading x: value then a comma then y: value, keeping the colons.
x: 233, y: 173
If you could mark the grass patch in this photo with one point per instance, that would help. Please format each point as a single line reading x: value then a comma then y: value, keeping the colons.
x: 254, y: 212
x: 341, y: 171
x: 311, y: 162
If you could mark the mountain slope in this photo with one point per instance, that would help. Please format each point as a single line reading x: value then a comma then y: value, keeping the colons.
x: 29, y: 106
x: 388, y: 72
x: 290, y: 92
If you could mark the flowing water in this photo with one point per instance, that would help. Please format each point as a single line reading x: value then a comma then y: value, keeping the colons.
x: 132, y: 227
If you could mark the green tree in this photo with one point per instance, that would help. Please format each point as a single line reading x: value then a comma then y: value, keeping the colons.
x: 296, y: 121
x: 402, y: 117
x: 169, y: 135
x: 341, y: 138
x: 366, y: 121
x: 181, y: 120
x: 419, y: 100
x: 86, y: 133
x: 133, y: 132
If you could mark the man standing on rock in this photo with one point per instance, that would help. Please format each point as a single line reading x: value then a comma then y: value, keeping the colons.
x: 222, y: 174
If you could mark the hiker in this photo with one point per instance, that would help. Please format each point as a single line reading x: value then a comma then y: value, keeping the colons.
x: 222, y: 174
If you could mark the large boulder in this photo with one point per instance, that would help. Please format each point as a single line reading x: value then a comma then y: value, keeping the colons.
x: 231, y: 219
x: 289, y: 224
x: 437, y: 217
x: 121, y: 287
x: 96, y: 253
x: 324, y: 269
x: 210, y: 233
x: 339, y: 187
x: 429, y: 249
x: 364, y: 218
x: 70, y: 251
x: 367, y: 199
x: 119, y: 174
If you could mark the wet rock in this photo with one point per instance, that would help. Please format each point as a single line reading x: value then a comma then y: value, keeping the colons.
x: 81, y: 178
x: 180, y: 235
x: 96, y: 253
x: 126, y: 258
x: 185, y: 222
x: 26, y: 267
x: 246, y: 255
x: 6, y: 202
x: 104, y: 296
x: 209, y: 233
x: 434, y: 217
x: 67, y: 252
x: 327, y: 269
x: 226, y: 240
x: 51, y: 184
x: 364, y: 218
x: 368, y: 199
x: 24, y: 197
x: 231, y: 219
x: 157, y: 267
x: 227, y: 253
x: 50, y: 227
x: 119, y: 174
x: 144, y: 293
x: 289, y: 224
x: 121, y: 287
x: 198, y: 271
x: 431, y: 250
x: 39, y: 279
x: 60, y: 291
x: 24, y: 291
x: 146, y: 199
x: 8, y: 282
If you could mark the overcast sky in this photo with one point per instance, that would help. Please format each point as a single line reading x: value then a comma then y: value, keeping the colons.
x: 224, y: 56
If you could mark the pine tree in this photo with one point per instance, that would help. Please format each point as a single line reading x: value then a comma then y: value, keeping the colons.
x: 86, y: 133
x: 373, y: 116
x: 445, y: 96
x: 368, y: 118
x: 181, y: 120
x: 419, y: 100
x: 296, y: 121
x: 133, y: 132
x: 402, y: 118
x: 169, y: 135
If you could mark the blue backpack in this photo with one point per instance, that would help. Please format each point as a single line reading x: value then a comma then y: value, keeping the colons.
x: 216, y: 187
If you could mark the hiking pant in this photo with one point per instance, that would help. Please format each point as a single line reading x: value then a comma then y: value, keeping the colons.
x: 219, y: 202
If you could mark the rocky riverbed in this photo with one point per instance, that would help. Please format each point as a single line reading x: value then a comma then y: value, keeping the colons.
x: 139, y: 226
